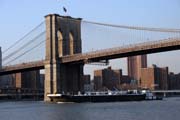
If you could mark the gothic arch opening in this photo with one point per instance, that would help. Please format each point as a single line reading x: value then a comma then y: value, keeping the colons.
x: 60, y: 43
x: 71, y: 43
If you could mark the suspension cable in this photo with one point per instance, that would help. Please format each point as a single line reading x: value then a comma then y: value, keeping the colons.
x: 25, y: 45
x: 11, y: 46
x: 136, y: 28
x: 25, y: 52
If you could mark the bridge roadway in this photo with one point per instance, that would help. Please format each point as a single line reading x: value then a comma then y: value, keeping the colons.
x: 95, y: 56
x: 36, y: 65
x: 125, y: 51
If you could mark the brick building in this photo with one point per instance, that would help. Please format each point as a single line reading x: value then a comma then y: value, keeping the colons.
x: 86, y: 79
x: 30, y: 79
x: 127, y: 83
x: 87, y: 84
x: 174, y: 81
x: 135, y: 63
x: 98, y: 80
x: 154, y: 78
x: 107, y: 78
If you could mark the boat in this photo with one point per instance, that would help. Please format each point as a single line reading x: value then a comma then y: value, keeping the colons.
x: 150, y: 95
x: 98, y: 97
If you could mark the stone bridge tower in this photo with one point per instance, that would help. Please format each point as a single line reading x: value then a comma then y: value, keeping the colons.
x: 63, y: 37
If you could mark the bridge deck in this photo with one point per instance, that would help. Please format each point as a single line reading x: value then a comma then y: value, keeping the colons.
x: 22, y: 67
x: 119, y: 52
x: 112, y: 53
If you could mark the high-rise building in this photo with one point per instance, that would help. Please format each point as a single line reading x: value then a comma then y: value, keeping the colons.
x: 86, y: 79
x: 87, y: 84
x: 135, y: 63
x: 30, y: 79
x: 6, y: 80
x: 98, y: 80
x: 107, y: 78
x: 174, y: 81
x: 154, y: 78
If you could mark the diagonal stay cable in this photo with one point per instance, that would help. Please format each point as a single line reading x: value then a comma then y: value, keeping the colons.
x: 22, y: 37
x: 22, y: 47
x: 136, y: 28
x: 25, y: 52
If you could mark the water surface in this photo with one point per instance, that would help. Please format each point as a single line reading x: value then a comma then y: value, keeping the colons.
x: 167, y: 109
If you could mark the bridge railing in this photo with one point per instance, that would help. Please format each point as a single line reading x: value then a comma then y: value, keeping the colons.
x: 24, y: 65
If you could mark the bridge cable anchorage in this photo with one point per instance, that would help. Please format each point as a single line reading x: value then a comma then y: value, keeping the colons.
x: 14, y: 44
x: 22, y: 47
x: 136, y: 28
x: 26, y: 52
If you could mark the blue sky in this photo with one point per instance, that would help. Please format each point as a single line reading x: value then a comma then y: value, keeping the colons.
x: 20, y: 16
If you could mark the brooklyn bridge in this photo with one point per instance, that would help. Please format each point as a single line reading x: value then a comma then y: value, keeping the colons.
x: 56, y: 45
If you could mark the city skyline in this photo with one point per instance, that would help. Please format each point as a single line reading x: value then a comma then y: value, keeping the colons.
x: 158, y: 59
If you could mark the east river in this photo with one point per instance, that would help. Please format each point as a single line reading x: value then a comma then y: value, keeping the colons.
x: 167, y: 109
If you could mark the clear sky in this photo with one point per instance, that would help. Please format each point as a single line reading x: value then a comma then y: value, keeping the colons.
x: 20, y: 16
